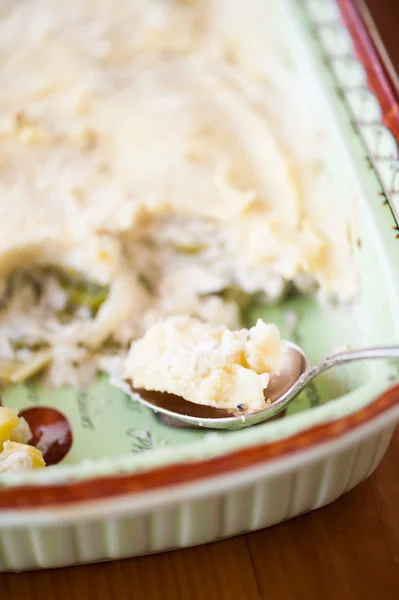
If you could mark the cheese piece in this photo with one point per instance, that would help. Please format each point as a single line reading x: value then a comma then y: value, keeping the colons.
x: 8, y: 422
x: 13, y: 427
x: 207, y: 364
x: 20, y: 457
x: 16, y: 454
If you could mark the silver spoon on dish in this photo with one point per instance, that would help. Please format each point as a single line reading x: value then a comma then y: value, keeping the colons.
x: 296, y: 373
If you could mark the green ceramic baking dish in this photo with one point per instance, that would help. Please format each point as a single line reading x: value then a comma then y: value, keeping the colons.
x: 130, y: 484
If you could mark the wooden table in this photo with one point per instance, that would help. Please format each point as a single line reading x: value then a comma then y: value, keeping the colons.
x: 349, y: 549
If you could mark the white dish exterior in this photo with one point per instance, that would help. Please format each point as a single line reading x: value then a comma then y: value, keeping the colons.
x: 181, y: 516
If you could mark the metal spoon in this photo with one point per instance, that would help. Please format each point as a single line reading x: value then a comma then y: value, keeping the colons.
x: 296, y: 373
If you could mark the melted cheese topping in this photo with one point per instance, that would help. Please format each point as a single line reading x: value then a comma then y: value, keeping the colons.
x: 207, y: 364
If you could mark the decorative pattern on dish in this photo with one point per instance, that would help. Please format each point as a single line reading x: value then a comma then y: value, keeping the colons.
x: 119, y: 484
x: 370, y: 98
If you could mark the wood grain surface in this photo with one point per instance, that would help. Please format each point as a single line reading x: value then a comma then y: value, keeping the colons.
x: 349, y: 549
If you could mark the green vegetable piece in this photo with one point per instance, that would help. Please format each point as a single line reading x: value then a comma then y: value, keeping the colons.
x: 241, y: 298
x: 83, y: 293
x: 181, y: 249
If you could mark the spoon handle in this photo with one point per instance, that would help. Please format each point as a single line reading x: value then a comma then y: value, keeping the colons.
x: 349, y: 356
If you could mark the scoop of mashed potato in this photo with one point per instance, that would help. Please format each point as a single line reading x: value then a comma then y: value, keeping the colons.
x: 207, y: 364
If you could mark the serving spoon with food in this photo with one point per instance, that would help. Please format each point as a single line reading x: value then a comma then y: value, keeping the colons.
x: 296, y: 373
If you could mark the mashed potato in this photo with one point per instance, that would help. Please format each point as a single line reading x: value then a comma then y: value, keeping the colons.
x: 163, y: 152
x: 207, y: 364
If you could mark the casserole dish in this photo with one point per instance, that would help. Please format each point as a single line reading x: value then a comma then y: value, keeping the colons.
x: 130, y: 484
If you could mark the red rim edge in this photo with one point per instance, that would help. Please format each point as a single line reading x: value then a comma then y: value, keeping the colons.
x: 383, y: 85
x: 371, y: 53
x: 379, y: 47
